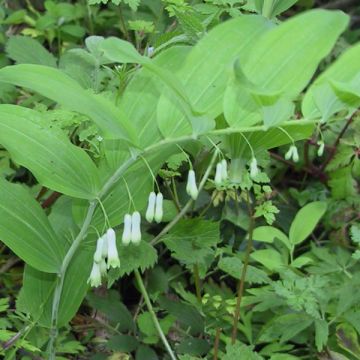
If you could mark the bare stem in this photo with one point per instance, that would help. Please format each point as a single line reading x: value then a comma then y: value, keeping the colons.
x: 153, y: 315
x: 241, y: 285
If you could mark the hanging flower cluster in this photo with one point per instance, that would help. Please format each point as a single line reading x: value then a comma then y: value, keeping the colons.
x: 292, y: 153
x: 132, y: 230
x: 105, y: 257
x: 221, y: 173
x: 155, y: 207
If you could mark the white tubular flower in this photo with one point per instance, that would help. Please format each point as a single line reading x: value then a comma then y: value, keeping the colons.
x: 104, y: 246
x: 99, y: 249
x: 320, y: 151
x: 191, y: 187
x: 103, y: 267
x: 224, y: 172
x: 289, y: 153
x: 218, y: 174
x: 126, y: 236
x: 150, y: 212
x: 113, y: 256
x: 159, y: 207
x: 95, y: 276
x: 295, y: 154
x: 254, y: 170
x: 135, y: 228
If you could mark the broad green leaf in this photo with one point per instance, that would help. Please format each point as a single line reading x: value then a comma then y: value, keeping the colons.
x: 206, y: 70
x: 348, y: 93
x: 272, y: 8
x: 264, y: 140
x: 305, y: 221
x: 270, y: 258
x: 56, y: 85
x: 268, y: 234
x: 25, y: 229
x: 121, y: 51
x: 26, y: 50
x: 36, y: 295
x: 54, y: 161
x: 241, y: 351
x: 320, y: 97
x: 285, y: 58
x: 142, y: 109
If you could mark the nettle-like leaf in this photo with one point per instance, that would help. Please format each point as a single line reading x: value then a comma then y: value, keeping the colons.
x: 192, y: 241
x: 54, y: 161
x: 284, y: 60
x: 134, y: 4
x: 25, y: 229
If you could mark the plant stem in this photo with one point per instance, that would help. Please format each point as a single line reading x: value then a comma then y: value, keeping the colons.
x: 216, y: 343
x: 197, y: 282
x: 153, y: 315
x: 241, y: 285
x: 267, y: 8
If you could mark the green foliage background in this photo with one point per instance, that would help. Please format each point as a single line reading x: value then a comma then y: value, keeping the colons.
x: 93, y: 94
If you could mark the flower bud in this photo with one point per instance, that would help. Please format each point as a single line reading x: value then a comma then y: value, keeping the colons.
x: 159, y: 207
x: 150, y: 212
x: 224, y: 172
x: 191, y: 187
x: 135, y: 228
x: 126, y: 236
x: 95, y: 275
x: 218, y: 174
x: 289, y: 153
x: 113, y: 256
x: 254, y: 170
x: 99, y: 249
x: 320, y: 151
x: 295, y: 154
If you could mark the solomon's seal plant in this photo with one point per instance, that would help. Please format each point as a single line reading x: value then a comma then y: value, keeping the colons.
x: 218, y: 140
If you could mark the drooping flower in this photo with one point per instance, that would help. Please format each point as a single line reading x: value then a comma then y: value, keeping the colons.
x: 254, y: 170
x: 150, y: 212
x: 321, y: 148
x: 112, y: 256
x: 104, y: 246
x: 191, y: 187
x: 95, y: 275
x: 99, y: 250
x: 224, y: 172
x: 103, y: 267
x: 126, y: 236
x: 292, y: 153
x: 159, y: 207
x: 135, y: 228
x: 218, y: 174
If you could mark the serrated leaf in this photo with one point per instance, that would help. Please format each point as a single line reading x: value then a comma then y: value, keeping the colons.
x: 321, y: 334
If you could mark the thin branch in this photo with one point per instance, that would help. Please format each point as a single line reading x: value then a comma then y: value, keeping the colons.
x: 153, y: 315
